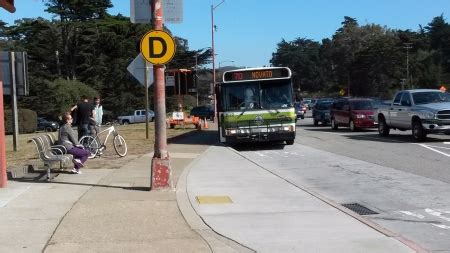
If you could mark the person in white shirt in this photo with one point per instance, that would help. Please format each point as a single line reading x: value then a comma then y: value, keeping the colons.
x: 98, y: 108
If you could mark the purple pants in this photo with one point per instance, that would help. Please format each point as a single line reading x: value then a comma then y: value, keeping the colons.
x: 78, y: 153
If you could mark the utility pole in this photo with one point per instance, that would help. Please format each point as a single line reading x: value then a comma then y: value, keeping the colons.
x: 213, y: 58
x: 407, y: 46
x: 160, y: 177
x: 403, y: 83
x: 195, y: 75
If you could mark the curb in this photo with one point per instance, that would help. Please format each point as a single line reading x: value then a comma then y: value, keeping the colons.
x: 411, y: 244
x: 215, y: 241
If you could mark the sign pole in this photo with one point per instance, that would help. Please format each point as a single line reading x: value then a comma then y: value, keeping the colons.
x: 146, y: 99
x: 161, y: 169
x: 15, y: 116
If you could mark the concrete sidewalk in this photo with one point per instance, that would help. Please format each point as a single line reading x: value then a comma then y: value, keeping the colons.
x: 111, y: 210
x: 268, y: 214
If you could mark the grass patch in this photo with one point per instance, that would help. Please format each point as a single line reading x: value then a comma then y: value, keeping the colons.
x: 133, y: 134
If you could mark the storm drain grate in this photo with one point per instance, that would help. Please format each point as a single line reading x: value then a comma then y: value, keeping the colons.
x: 359, y: 209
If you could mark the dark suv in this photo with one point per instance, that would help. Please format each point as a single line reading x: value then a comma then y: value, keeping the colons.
x: 355, y: 113
x: 47, y: 126
x: 321, y: 111
x: 203, y: 111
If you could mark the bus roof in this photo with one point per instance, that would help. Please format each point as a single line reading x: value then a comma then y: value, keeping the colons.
x: 256, y: 74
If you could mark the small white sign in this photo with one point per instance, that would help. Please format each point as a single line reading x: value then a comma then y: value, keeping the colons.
x: 170, y: 81
x: 173, y: 11
x: 177, y: 115
x: 140, y: 11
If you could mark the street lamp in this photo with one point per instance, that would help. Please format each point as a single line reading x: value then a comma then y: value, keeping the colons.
x: 213, y: 57
x: 232, y: 61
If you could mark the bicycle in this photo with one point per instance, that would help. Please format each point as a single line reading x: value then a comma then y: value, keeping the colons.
x: 91, y: 143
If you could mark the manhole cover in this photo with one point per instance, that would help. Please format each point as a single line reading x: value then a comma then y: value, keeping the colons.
x: 359, y: 209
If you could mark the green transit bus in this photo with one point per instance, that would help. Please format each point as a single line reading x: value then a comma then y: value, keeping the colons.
x: 256, y: 105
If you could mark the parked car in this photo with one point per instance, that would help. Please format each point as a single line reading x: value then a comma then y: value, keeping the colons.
x: 300, y: 110
x: 46, y: 125
x: 321, y: 111
x: 424, y: 111
x: 137, y: 117
x: 311, y: 103
x: 204, y: 111
x: 355, y: 113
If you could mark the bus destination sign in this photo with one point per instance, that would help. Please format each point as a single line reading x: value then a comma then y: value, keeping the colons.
x: 252, y: 75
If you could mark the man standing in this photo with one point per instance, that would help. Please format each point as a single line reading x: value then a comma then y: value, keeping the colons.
x: 85, y: 112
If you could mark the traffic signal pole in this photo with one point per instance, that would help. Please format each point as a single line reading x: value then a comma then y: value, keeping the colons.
x: 161, y: 169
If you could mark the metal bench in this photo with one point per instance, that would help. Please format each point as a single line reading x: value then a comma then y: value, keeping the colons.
x: 51, y: 155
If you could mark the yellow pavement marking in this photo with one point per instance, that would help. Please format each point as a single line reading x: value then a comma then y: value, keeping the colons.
x: 214, y: 199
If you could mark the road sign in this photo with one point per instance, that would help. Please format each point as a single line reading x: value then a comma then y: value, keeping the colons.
x: 342, y: 92
x: 170, y: 81
x: 443, y: 88
x: 173, y: 11
x: 141, y: 13
x: 137, y: 69
x: 157, y: 47
x: 14, y: 66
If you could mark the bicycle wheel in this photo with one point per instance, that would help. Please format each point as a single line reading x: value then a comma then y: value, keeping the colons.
x: 120, y: 145
x: 90, y: 144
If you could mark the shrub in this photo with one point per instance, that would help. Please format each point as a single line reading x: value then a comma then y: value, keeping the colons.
x: 27, y: 121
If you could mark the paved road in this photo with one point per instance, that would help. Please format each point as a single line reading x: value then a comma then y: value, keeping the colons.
x: 407, y: 183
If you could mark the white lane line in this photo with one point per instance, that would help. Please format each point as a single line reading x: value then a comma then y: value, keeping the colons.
x: 420, y: 216
x: 441, y: 226
x: 437, y: 214
x: 437, y: 147
x: 435, y: 150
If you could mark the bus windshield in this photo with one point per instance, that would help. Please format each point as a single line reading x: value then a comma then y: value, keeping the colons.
x: 270, y: 94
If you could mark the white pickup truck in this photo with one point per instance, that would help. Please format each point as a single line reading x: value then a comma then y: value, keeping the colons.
x: 424, y: 111
x: 137, y: 117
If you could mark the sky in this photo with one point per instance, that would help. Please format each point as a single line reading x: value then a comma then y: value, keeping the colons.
x: 248, y: 31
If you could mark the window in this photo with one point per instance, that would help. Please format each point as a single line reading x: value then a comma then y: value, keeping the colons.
x: 406, y: 100
x: 362, y: 105
x: 272, y: 94
x: 430, y: 97
x: 398, y: 98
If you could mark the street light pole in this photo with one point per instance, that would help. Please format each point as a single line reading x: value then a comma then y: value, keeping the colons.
x: 220, y: 74
x: 195, y: 75
x: 213, y: 58
x: 408, y: 46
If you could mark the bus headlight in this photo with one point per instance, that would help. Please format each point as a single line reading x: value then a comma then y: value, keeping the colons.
x: 288, y: 128
x: 231, y: 131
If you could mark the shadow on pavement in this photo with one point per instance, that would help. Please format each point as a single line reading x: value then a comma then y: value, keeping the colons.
x: 33, y: 180
x: 258, y: 146
x: 202, y: 137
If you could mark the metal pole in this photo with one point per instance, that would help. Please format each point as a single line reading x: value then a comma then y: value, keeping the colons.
x: 407, y: 47
x: 146, y: 99
x: 195, y: 77
x: 213, y: 62
x: 213, y: 58
x: 3, y: 176
x: 160, y: 173
x: 15, y: 116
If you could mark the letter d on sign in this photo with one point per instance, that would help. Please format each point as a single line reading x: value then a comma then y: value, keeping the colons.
x: 157, y: 50
x: 157, y: 47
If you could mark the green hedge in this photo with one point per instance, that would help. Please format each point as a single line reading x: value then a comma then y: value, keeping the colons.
x: 27, y: 121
